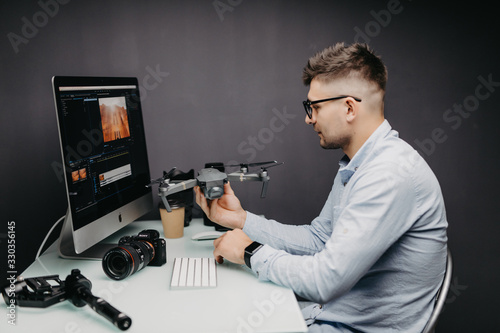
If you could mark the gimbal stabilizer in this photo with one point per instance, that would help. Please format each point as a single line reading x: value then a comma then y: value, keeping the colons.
x: 37, y: 292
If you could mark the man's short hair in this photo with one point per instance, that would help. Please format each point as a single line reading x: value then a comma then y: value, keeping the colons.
x: 340, y: 61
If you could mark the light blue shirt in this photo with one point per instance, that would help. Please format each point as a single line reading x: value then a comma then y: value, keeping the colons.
x: 374, y: 258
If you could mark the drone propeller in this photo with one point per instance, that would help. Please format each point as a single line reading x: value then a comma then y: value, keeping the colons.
x: 166, y: 176
x: 275, y: 164
x: 249, y: 165
x: 245, y: 166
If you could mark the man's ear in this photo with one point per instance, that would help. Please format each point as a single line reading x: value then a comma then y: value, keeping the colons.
x: 351, y: 109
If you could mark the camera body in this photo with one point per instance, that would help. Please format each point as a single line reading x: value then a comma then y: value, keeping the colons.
x: 133, y: 253
x: 152, y: 237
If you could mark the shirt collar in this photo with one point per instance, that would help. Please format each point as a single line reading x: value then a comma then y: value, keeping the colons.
x: 349, y: 167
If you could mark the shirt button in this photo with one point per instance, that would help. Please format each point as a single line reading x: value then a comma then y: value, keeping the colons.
x: 320, y: 306
x: 345, y: 183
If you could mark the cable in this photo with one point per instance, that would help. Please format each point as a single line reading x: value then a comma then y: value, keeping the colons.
x: 47, y: 236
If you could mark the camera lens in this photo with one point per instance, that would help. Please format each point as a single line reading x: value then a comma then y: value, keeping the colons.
x: 214, y: 192
x: 126, y: 259
x: 118, y: 265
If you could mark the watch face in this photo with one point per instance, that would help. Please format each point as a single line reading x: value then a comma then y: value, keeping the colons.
x: 252, y: 247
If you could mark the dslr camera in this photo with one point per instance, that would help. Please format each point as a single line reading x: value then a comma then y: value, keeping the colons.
x: 133, y: 253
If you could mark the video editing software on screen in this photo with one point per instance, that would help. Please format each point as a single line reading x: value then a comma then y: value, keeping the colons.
x: 102, y: 131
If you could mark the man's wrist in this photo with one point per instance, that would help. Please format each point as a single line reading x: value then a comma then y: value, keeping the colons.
x: 243, y: 219
x: 250, y: 250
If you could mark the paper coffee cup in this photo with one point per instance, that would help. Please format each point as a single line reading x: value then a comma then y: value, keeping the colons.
x: 173, y: 222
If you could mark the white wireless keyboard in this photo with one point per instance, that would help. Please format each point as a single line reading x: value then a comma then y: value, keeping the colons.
x: 194, y: 273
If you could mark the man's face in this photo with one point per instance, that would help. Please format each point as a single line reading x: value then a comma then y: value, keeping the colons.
x: 328, y: 118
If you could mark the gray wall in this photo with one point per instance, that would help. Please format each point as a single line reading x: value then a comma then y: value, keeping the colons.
x: 221, y: 82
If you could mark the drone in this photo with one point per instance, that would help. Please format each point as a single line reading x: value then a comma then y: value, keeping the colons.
x: 211, y: 180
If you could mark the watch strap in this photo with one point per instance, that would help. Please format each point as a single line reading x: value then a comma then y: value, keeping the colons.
x: 250, y: 250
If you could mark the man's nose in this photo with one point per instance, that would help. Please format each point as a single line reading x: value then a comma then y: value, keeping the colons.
x: 310, y: 121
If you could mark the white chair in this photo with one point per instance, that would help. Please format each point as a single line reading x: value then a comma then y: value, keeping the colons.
x: 441, y: 295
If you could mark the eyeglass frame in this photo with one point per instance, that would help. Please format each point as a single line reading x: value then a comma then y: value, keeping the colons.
x: 307, y: 104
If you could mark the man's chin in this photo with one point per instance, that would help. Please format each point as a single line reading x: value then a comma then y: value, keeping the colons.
x: 328, y: 145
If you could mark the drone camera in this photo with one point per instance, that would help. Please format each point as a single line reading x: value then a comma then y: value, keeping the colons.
x: 213, y: 192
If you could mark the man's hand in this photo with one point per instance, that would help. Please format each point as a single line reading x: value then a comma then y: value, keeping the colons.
x: 231, y: 246
x: 226, y: 211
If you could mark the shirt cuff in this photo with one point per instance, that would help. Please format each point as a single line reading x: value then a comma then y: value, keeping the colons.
x: 260, y: 262
x: 251, y: 227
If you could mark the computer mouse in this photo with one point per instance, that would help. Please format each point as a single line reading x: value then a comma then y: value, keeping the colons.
x: 207, y: 235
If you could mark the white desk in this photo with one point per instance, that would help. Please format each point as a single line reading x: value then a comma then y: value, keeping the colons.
x: 239, y: 303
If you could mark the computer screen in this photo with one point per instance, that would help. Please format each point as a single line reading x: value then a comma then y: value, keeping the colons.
x: 105, y: 159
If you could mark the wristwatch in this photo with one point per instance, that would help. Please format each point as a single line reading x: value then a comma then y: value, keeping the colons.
x: 250, y: 250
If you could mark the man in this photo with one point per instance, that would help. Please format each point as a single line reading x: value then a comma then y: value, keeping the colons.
x: 374, y: 259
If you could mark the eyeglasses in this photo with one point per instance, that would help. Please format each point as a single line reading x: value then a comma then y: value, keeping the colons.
x: 308, y: 108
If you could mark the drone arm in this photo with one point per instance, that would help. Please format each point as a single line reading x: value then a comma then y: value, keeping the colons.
x: 163, y: 192
x: 242, y: 177
x: 260, y: 177
x: 165, y: 202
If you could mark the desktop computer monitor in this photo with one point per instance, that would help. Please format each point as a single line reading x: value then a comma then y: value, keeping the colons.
x: 105, y: 160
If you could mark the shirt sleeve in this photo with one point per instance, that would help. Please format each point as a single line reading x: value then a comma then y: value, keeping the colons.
x: 376, y: 213
x: 294, y: 239
x: 300, y: 240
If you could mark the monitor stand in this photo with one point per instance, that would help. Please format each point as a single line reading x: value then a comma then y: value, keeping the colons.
x: 67, y: 244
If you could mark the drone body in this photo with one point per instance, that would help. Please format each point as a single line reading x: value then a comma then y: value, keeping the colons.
x: 211, y: 181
